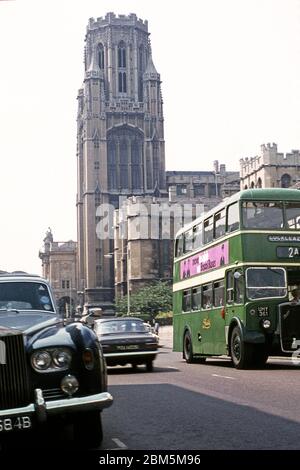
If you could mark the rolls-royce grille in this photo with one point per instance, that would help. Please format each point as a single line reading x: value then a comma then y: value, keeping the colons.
x: 289, y: 327
x: 14, y: 391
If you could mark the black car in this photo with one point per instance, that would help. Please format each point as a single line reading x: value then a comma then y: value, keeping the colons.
x: 48, y: 367
x: 127, y: 340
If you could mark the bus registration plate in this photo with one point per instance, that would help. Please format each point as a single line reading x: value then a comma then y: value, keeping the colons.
x: 288, y: 252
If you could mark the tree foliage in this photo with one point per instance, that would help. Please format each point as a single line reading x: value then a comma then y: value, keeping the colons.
x: 149, y: 300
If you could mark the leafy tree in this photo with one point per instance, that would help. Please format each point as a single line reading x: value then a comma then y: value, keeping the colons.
x: 149, y: 300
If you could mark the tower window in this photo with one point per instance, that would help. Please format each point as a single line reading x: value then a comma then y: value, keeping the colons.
x: 101, y: 56
x: 122, y: 55
x: 122, y: 82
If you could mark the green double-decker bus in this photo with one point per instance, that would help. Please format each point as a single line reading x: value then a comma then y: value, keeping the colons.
x: 235, y: 269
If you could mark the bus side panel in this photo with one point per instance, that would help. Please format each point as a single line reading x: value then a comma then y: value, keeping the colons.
x: 177, y: 321
x: 218, y: 333
x: 176, y: 272
x: 235, y: 249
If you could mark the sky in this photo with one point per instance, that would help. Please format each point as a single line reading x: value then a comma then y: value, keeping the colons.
x: 230, y: 73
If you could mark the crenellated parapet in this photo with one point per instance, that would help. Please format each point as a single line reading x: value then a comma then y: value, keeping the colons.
x: 269, y: 156
x: 270, y: 168
x: 116, y: 20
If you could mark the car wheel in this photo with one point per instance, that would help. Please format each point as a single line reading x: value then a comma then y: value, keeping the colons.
x: 241, y: 352
x: 88, y: 429
x: 188, y: 348
x: 149, y: 366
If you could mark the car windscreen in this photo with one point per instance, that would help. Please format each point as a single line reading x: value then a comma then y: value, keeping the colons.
x: 264, y: 283
x: 25, y: 296
x: 116, y: 327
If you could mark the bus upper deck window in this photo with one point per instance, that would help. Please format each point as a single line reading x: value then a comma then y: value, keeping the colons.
x: 197, y: 236
x: 188, y: 241
x: 179, y: 246
x: 292, y: 210
x: 262, y: 215
x: 220, y: 224
x: 233, y: 217
x: 208, y: 230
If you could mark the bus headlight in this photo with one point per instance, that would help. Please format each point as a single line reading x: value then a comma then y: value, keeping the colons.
x: 266, y: 324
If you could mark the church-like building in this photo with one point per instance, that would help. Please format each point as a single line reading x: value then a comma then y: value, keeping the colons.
x: 120, y: 139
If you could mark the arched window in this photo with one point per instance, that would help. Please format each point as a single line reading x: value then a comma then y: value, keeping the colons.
x: 141, y: 58
x: 252, y: 185
x: 112, y: 169
x: 101, y: 56
x: 124, y: 164
x: 141, y: 69
x: 122, y: 82
x: 122, y: 67
x: 125, y: 158
x: 122, y: 55
x: 259, y: 183
x: 135, y: 165
x: 285, y: 181
x: 245, y: 187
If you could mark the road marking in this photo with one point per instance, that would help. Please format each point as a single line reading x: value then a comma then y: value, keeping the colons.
x: 119, y: 443
x: 223, y: 376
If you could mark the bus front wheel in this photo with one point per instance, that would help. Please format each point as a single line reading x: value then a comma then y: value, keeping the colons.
x: 188, y: 348
x: 241, y: 352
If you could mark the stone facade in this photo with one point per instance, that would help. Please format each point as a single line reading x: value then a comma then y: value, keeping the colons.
x: 120, y: 138
x: 59, y: 267
x: 270, y: 169
x: 144, y: 232
x: 210, y: 187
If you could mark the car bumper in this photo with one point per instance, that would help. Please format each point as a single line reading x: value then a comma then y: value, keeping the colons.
x: 130, y: 354
x: 41, y: 409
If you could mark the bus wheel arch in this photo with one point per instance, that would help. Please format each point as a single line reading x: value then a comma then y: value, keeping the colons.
x: 234, y: 323
x: 187, y: 346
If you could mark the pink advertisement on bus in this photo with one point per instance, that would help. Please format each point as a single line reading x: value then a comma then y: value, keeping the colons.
x: 205, y: 261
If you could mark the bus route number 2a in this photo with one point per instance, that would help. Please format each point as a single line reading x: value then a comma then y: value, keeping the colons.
x: 288, y: 252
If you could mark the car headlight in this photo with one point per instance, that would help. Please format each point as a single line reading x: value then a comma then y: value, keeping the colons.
x: 41, y: 360
x: 61, y: 358
x: 48, y: 360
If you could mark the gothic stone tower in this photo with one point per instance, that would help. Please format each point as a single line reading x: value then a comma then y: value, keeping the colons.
x: 120, y: 138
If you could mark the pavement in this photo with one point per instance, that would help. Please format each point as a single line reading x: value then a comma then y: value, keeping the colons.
x: 166, y: 336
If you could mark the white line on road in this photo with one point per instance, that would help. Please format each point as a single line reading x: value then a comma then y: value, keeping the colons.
x: 119, y: 443
x: 223, y: 376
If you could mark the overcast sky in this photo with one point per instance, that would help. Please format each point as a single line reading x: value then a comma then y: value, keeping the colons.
x: 230, y: 73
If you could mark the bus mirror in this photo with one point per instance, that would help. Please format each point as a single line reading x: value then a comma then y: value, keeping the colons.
x: 237, y: 275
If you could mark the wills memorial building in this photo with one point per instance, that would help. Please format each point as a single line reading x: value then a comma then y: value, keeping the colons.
x: 120, y: 139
